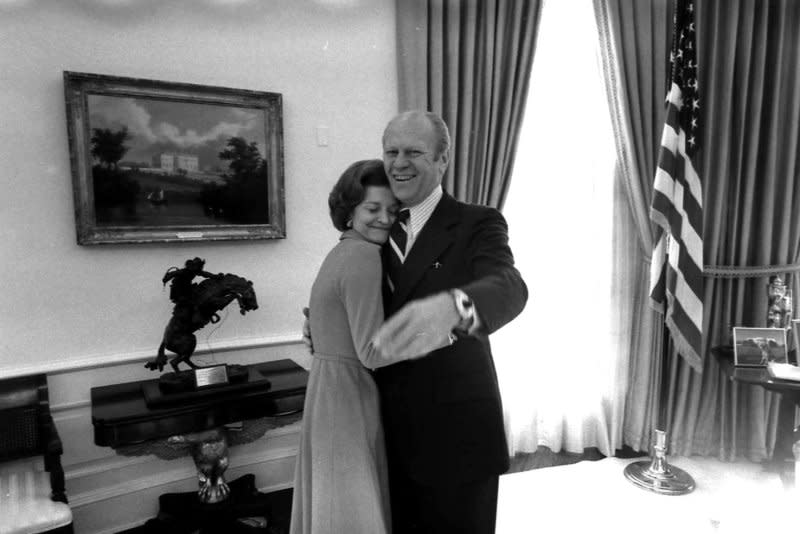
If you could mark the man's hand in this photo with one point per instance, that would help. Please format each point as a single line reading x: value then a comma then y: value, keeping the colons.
x: 420, y: 327
x: 307, y: 332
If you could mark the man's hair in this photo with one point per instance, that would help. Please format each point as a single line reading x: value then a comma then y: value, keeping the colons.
x: 348, y: 192
x: 438, y: 124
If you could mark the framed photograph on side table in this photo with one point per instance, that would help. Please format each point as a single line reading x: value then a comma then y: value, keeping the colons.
x: 156, y: 161
x: 756, y: 347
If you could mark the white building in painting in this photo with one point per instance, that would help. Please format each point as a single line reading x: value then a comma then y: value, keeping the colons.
x: 186, y: 162
x: 168, y: 161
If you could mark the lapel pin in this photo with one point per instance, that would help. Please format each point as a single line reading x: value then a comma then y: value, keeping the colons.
x: 437, y: 265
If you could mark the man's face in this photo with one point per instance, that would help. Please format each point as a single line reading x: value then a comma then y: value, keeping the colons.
x: 409, y: 147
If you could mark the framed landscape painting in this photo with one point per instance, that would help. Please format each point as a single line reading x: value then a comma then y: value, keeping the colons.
x: 155, y: 161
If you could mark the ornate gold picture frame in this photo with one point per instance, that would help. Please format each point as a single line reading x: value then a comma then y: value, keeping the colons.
x: 156, y: 161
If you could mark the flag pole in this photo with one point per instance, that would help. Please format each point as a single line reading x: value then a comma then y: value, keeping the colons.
x: 656, y: 474
x: 678, y: 143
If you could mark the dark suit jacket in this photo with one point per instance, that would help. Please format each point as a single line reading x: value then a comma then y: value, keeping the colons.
x: 442, y: 413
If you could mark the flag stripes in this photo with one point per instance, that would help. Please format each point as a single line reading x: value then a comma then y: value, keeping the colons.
x: 677, y: 205
x: 680, y: 285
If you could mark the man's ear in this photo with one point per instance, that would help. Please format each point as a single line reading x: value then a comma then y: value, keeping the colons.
x: 444, y: 159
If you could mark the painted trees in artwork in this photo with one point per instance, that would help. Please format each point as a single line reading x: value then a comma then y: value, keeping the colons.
x: 108, y: 146
x: 112, y: 186
x: 243, y: 198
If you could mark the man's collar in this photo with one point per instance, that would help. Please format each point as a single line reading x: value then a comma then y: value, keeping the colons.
x: 431, y: 199
x: 420, y: 213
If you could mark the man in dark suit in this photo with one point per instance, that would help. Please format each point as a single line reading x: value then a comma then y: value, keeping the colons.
x: 450, y: 273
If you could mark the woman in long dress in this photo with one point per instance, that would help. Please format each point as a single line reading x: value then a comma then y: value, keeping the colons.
x: 341, y: 484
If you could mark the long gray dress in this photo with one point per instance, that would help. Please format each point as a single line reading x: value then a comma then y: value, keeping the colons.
x: 340, y: 483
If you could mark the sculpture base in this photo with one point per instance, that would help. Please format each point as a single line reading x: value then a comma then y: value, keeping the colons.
x: 176, y: 388
x: 659, y: 477
x: 183, y: 381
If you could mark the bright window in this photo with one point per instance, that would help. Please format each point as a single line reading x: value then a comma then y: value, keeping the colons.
x: 556, y: 360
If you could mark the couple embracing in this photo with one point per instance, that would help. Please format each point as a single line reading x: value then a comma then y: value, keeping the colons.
x: 403, y: 424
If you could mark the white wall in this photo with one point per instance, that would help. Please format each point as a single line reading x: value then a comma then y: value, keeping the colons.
x: 90, y: 316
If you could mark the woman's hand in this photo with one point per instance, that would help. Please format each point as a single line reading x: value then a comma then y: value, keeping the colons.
x: 307, y: 331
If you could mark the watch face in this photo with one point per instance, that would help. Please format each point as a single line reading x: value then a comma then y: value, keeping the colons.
x: 464, y: 307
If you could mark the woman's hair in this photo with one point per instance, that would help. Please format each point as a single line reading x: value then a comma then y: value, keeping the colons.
x: 349, y: 189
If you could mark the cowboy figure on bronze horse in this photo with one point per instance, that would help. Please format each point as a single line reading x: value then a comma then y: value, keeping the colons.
x: 196, y: 305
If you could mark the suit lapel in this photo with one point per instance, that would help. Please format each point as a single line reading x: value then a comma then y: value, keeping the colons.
x: 437, y: 234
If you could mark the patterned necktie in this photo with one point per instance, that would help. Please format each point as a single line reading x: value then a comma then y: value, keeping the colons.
x: 398, y: 238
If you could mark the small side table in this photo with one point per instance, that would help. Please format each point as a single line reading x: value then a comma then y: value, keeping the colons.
x: 789, y: 390
x: 203, y: 424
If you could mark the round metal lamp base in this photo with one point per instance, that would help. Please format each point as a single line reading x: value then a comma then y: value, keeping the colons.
x: 658, y: 477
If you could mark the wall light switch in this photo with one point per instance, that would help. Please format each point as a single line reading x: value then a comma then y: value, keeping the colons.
x: 322, y: 136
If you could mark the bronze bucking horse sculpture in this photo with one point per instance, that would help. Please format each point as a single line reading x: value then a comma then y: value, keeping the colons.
x: 196, y: 305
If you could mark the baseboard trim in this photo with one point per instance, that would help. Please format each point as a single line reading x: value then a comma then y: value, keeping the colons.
x: 116, y: 462
x: 172, y: 476
x: 99, y: 467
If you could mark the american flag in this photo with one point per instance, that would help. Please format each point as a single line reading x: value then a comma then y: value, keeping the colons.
x: 676, y: 276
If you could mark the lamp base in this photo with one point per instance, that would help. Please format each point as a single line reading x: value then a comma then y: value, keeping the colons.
x: 657, y: 475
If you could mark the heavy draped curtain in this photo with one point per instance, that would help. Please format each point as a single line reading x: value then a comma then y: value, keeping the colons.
x: 749, y: 60
x: 634, y: 44
x: 470, y: 62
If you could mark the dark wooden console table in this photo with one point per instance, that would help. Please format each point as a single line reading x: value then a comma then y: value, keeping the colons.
x: 125, y: 417
x: 790, y: 399
x: 121, y: 416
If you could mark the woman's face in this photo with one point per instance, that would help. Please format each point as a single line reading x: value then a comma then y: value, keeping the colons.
x: 373, y: 217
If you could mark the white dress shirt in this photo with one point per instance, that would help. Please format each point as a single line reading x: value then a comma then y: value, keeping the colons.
x: 419, y: 214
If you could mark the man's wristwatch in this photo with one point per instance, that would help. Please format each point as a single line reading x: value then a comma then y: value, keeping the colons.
x: 466, y: 310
